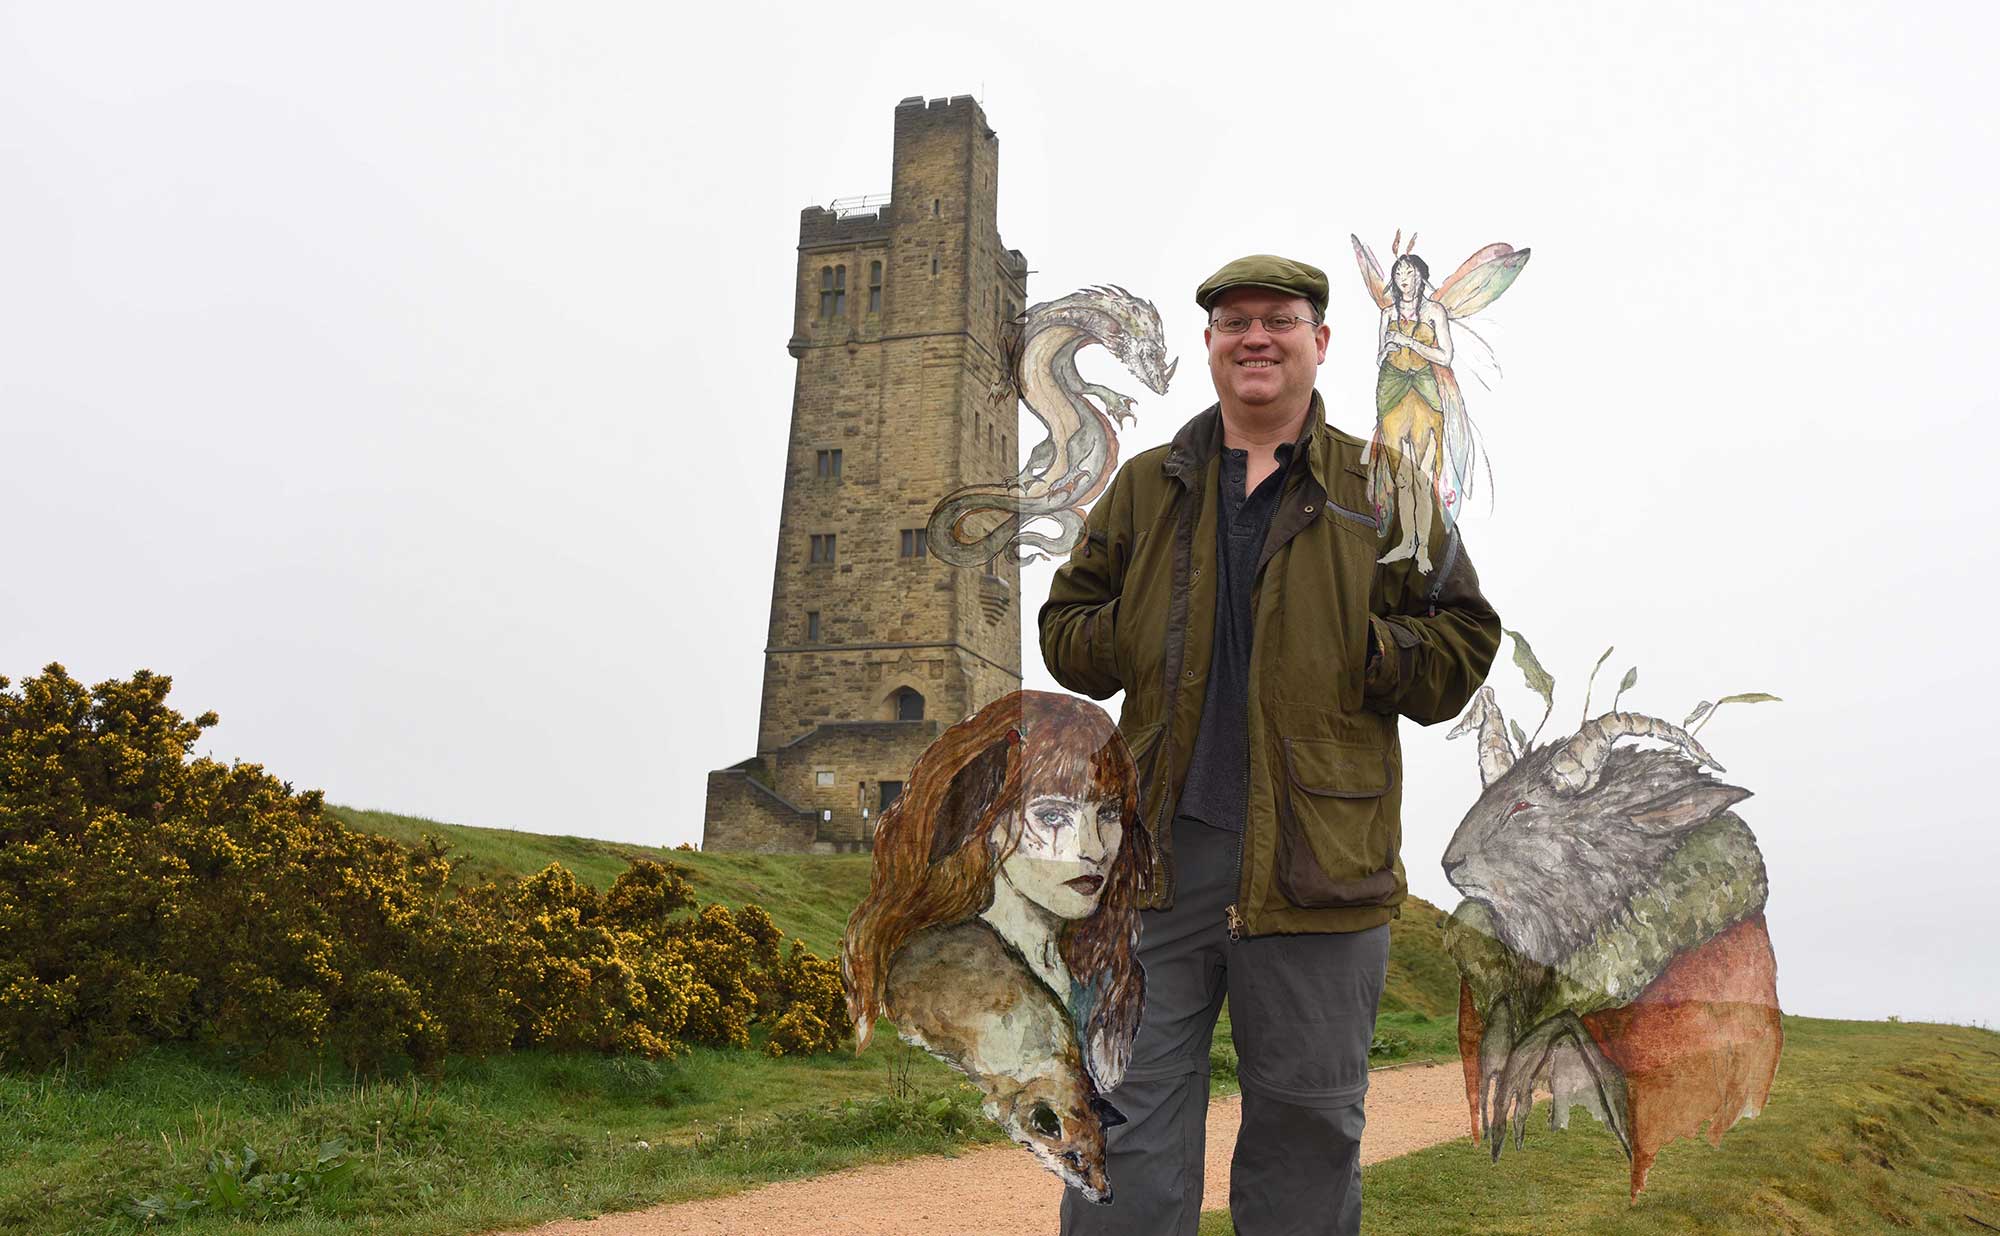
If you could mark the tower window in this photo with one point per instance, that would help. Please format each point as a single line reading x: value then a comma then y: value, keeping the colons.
x: 937, y: 207
x: 826, y: 466
x: 989, y: 435
x: 934, y: 266
x: 915, y: 544
x: 812, y: 626
x: 1003, y: 445
x: 832, y: 291
x: 874, y: 287
x: 909, y: 705
x: 822, y: 547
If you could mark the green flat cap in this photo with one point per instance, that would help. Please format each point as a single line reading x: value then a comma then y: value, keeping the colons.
x: 1264, y: 270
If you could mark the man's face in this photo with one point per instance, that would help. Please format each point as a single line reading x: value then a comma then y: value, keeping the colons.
x: 1258, y: 368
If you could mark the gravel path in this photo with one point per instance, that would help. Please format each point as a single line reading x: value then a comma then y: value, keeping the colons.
x: 1001, y: 1190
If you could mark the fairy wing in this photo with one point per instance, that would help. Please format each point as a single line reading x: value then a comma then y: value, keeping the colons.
x: 1480, y: 279
x: 1453, y: 482
x: 1371, y: 272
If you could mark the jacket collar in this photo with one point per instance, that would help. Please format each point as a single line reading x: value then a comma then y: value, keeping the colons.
x: 1200, y: 440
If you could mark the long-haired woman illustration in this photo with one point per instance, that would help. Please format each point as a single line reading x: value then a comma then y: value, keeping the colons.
x: 1024, y: 816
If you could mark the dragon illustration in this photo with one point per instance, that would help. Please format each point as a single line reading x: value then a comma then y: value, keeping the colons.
x: 1068, y: 468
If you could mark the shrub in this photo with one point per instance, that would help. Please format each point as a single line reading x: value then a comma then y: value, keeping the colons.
x: 146, y: 895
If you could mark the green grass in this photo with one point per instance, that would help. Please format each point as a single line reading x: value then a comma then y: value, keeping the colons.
x: 1871, y: 1127
x: 809, y: 896
x: 510, y: 1140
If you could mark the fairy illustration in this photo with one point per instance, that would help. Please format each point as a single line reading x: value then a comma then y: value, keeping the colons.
x: 1422, y: 432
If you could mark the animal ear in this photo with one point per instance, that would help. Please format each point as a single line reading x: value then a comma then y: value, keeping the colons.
x: 1687, y: 806
x: 1108, y: 1117
x: 972, y: 790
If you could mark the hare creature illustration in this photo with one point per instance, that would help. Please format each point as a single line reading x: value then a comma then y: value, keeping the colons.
x: 1422, y: 433
x: 1612, y: 944
x: 1069, y: 468
x: 1000, y: 928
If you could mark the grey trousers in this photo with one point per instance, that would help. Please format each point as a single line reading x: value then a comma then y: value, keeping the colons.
x: 1302, y: 1012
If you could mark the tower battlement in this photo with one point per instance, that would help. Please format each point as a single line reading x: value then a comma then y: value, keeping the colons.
x: 819, y: 227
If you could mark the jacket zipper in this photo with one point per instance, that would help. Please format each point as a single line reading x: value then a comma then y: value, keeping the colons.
x: 1231, y: 917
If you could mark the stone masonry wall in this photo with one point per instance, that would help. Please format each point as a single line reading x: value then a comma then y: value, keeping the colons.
x: 898, y: 378
x: 741, y: 816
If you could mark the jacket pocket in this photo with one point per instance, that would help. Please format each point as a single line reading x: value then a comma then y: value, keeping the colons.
x: 1143, y: 742
x: 1337, y: 838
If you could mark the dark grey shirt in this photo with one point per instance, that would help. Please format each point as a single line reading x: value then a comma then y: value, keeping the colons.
x: 1218, y: 780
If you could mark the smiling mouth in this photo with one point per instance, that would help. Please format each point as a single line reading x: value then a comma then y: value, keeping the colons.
x: 1086, y: 884
x: 1258, y: 364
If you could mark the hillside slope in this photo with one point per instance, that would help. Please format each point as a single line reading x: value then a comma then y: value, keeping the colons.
x: 810, y: 896
x: 1870, y: 1127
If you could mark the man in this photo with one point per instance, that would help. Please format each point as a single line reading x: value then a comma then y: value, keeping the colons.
x: 1229, y: 585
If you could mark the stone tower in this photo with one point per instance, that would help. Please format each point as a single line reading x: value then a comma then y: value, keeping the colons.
x: 874, y: 647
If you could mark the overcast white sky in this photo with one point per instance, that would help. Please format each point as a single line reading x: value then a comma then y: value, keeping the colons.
x: 409, y: 381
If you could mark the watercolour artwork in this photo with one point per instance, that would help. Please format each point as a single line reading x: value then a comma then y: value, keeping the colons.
x: 1423, y: 436
x: 1611, y: 946
x: 1000, y: 930
x: 1066, y: 471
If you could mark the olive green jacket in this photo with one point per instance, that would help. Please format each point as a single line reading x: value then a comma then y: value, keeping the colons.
x: 1133, y: 609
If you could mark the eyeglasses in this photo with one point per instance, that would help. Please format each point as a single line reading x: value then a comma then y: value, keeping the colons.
x: 1275, y: 323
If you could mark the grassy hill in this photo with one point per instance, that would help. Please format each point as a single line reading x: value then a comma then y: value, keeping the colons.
x: 1871, y: 1127
x: 810, y: 896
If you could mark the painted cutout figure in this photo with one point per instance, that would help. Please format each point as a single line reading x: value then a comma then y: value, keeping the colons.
x: 1000, y: 928
x: 1070, y: 467
x: 1422, y: 433
x: 1612, y: 944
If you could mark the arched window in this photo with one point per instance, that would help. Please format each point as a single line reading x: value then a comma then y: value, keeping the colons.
x: 832, y: 291
x: 909, y: 704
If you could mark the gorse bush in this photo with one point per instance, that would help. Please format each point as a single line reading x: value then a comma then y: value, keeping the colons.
x: 147, y: 895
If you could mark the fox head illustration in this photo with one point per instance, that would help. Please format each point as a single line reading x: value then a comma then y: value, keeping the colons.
x: 1054, y: 1113
x: 961, y: 994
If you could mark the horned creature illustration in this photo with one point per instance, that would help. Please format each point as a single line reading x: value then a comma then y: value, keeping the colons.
x: 1612, y: 944
x: 1069, y: 468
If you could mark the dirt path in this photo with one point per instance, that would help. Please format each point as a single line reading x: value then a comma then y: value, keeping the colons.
x: 1001, y: 1191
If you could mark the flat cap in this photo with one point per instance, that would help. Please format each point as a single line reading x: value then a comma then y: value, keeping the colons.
x: 1265, y: 270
